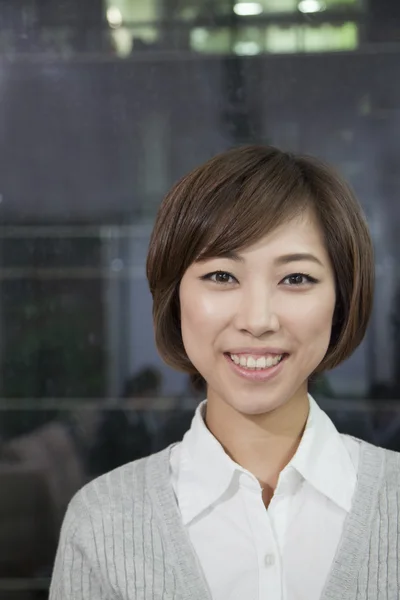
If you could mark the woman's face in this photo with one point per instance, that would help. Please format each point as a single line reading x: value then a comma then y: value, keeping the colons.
x: 257, y: 324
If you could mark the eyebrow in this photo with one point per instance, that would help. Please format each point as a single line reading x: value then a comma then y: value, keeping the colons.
x: 299, y: 256
x: 281, y: 260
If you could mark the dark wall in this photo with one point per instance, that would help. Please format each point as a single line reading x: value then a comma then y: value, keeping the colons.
x: 76, y: 137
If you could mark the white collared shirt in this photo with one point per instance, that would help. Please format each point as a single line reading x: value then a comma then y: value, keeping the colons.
x: 247, y: 552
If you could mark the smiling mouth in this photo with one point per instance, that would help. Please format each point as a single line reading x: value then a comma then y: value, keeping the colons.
x: 256, y: 363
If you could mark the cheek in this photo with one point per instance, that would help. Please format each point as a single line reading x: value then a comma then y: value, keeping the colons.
x: 320, y: 327
x: 192, y: 325
x: 202, y: 318
x: 312, y: 323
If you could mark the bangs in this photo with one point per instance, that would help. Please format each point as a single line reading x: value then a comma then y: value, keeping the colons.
x: 247, y: 207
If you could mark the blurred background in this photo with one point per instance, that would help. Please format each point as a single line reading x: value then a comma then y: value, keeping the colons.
x: 103, y: 105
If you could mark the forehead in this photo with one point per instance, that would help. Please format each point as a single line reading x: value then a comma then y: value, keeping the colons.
x: 301, y: 234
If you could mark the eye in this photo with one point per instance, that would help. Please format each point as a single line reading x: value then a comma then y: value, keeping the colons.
x: 299, y: 279
x: 220, y: 277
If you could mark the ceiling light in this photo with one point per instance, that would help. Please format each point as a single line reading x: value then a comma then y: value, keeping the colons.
x: 114, y: 17
x: 245, y: 9
x: 247, y: 48
x: 199, y: 35
x: 310, y: 6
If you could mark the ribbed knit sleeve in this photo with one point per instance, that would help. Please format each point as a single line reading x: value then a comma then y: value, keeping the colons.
x: 379, y: 573
x: 76, y: 574
x: 110, y: 545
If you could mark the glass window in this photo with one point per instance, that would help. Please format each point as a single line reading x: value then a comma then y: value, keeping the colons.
x: 342, y: 3
x: 248, y: 41
x: 282, y: 39
x: 139, y: 11
x: 144, y: 38
x: 245, y: 41
x: 328, y: 37
x: 307, y: 38
x: 105, y: 104
x: 123, y: 17
x: 279, y: 6
x: 314, y: 6
x: 189, y: 10
x: 53, y: 317
x: 131, y: 11
x: 122, y: 42
x: 255, y: 7
x: 212, y: 41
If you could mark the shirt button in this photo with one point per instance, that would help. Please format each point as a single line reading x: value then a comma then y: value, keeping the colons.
x: 269, y: 560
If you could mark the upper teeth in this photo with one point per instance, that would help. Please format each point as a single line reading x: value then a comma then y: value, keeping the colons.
x: 252, y: 362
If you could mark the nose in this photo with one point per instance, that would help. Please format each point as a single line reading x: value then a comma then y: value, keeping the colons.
x: 257, y: 313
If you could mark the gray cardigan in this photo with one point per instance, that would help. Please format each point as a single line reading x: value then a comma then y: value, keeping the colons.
x: 123, y: 538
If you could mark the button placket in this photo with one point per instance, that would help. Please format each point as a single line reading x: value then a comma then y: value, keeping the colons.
x: 269, y: 559
x: 267, y: 548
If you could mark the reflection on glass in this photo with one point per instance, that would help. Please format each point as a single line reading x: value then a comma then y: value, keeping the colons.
x: 280, y: 6
x: 244, y: 9
x: 343, y: 3
x: 306, y: 38
x: 119, y: 12
x: 311, y: 6
x: 131, y: 11
x: 330, y: 37
x: 144, y: 38
x: 122, y: 41
x: 275, y: 39
x: 99, y: 118
x: 250, y: 7
x: 114, y: 17
x: 126, y: 40
x: 213, y: 41
x: 281, y: 39
x: 248, y: 41
x: 246, y: 48
x: 123, y: 15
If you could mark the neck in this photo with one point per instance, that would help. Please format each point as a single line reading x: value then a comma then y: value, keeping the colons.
x: 262, y: 444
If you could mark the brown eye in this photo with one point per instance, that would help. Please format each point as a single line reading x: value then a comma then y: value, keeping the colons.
x: 299, y: 279
x: 296, y: 279
x: 221, y: 277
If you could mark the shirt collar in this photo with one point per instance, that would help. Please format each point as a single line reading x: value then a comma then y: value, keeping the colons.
x: 206, y: 471
x: 323, y: 460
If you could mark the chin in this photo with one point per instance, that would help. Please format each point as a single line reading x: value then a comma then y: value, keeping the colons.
x: 253, y: 406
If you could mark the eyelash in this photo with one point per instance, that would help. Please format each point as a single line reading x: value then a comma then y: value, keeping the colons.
x: 311, y: 280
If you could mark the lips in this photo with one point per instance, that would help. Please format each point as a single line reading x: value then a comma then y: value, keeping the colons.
x: 261, y: 351
x: 256, y: 362
x: 256, y: 374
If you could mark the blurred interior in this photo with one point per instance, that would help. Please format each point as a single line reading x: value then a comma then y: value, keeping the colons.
x: 104, y: 104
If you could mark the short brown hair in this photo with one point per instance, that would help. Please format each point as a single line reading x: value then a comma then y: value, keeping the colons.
x: 234, y: 200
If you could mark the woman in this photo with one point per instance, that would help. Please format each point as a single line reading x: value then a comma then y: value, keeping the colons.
x: 261, y: 269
